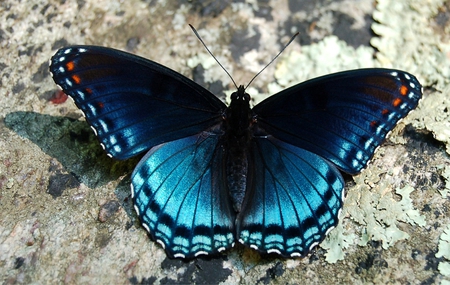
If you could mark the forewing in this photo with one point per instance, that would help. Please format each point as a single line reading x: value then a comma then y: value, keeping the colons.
x: 132, y: 103
x: 293, y: 201
x: 181, y: 199
x: 342, y: 117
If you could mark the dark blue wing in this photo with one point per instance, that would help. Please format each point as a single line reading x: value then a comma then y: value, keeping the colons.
x: 180, y: 196
x: 293, y: 201
x: 133, y: 103
x: 342, y: 117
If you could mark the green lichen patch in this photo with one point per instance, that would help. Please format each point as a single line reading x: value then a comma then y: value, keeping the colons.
x: 444, y: 251
x: 437, y: 121
x: 377, y: 210
x: 407, y: 41
x: 327, y: 56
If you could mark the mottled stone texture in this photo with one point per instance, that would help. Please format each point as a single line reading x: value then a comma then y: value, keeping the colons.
x: 66, y: 214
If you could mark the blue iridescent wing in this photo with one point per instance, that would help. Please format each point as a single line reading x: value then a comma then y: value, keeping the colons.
x: 342, y: 117
x: 294, y: 199
x: 133, y: 103
x: 180, y: 196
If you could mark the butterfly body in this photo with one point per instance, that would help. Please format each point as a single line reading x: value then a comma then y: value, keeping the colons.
x: 236, y: 143
x: 266, y: 177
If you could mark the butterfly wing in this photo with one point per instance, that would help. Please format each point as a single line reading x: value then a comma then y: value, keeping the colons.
x: 294, y: 200
x: 133, y: 103
x: 342, y: 117
x: 180, y: 196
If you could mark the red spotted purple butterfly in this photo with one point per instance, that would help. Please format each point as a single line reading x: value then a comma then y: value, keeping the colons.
x: 267, y: 177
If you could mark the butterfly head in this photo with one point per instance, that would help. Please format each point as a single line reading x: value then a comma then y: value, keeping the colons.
x: 240, y: 95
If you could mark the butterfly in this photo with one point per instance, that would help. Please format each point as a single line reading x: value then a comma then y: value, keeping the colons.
x: 267, y: 177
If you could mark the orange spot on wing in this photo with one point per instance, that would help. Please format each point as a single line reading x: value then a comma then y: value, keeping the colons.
x: 396, y: 102
x: 385, y: 112
x: 373, y: 124
x: 76, y: 78
x: 403, y: 90
x: 100, y: 104
x: 89, y: 90
x: 70, y: 65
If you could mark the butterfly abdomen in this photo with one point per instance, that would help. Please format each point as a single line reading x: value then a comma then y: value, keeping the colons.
x: 236, y: 172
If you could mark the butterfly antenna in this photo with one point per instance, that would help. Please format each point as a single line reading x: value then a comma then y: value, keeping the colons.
x: 290, y: 41
x: 203, y: 43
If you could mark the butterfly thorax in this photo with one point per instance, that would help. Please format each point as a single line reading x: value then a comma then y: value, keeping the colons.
x: 237, y: 138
